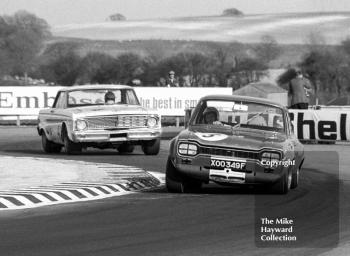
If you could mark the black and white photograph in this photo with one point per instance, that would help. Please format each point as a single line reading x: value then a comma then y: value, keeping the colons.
x: 174, y: 127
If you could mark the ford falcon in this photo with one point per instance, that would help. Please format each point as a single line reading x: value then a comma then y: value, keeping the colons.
x: 100, y: 116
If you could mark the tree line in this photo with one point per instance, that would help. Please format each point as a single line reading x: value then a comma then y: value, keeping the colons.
x: 328, y: 68
x: 61, y: 63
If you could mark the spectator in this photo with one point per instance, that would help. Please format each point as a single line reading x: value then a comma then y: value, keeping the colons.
x: 171, y: 81
x: 109, y: 98
x: 300, y: 89
x: 161, y: 82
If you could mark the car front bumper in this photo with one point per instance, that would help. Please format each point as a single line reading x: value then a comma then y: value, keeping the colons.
x: 103, y: 136
x: 254, y: 172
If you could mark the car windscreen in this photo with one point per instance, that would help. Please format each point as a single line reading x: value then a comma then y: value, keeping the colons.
x: 240, y: 114
x: 92, y: 97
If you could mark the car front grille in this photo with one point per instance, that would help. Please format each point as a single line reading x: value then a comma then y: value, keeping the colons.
x: 228, y: 152
x: 117, y: 121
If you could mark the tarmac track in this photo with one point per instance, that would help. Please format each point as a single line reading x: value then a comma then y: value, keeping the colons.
x: 218, y: 221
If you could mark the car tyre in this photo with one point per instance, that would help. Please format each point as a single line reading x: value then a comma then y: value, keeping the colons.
x: 295, y: 178
x: 70, y: 148
x: 176, y: 183
x: 126, y: 148
x: 49, y: 146
x: 151, y: 147
x: 283, y: 185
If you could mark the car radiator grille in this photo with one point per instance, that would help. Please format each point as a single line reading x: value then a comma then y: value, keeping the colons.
x: 120, y: 121
x: 228, y: 152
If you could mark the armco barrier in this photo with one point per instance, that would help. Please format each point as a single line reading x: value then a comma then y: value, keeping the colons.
x: 18, y: 118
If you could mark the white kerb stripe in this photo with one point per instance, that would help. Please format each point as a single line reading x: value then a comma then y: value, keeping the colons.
x: 22, y: 199
x: 7, y: 203
x: 97, y: 191
x: 83, y: 192
x: 82, y: 188
x: 121, y: 188
x: 115, y: 186
x: 137, y: 185
x: 42, y: 198
x: 108, y: 189
x: 52, y: 194
x: 68, y: 194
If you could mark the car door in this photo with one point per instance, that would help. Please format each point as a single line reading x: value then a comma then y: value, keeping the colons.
x: 57, y: 116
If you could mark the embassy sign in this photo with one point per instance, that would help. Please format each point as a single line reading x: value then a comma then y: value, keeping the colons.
x: 29, y: 100
x: 323, y: 124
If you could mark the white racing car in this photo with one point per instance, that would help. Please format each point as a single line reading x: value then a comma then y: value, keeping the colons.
x: 101, y: 116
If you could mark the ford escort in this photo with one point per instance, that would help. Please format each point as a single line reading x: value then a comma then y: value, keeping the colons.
x: 235, y: 140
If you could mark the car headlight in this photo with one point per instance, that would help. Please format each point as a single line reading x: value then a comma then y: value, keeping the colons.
x: 270, y: 156
x: 151, y: 121
x: 80, y: 125
x: 187, y: 149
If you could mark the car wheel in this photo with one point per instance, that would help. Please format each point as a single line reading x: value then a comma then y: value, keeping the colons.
x: 283, y: 185
x: 70, y: 147
x: 295, y: 178
x: 49, y: 146
x: 176, y: 183
x: 151, y: 147
x: 126, y: 148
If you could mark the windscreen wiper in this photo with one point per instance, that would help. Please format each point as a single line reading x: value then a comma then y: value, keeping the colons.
x: 250, y: 119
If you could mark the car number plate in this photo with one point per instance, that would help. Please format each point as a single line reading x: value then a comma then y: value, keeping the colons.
x: 227, y: 170
x: 224, y: 163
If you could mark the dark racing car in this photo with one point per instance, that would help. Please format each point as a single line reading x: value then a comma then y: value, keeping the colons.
x: 234, y: 140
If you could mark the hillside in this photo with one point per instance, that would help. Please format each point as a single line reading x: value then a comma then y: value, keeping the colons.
x: 160, y: 49
x: 286, y: 28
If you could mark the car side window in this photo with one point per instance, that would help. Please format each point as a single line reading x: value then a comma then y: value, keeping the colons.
x: 131, y: 97
x: 56, y: 100
x: 60, y: 100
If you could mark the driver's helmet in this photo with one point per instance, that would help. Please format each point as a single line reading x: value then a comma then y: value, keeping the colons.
x: 109, y: 97
x: 210, y: 114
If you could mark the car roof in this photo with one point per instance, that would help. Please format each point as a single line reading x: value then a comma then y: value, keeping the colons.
x: 96, y: 86
x: 242, y: 98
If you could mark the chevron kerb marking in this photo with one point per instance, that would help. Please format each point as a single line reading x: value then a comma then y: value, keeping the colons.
x: 119, y: 180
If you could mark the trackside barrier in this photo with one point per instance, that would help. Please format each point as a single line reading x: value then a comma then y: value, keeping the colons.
x: 314, y: 125
x: 27, y: 100
x: 328, y: 123
x: 18, y: 118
